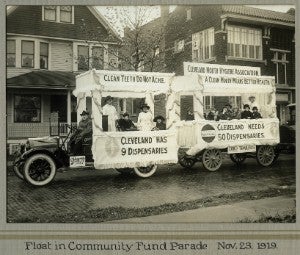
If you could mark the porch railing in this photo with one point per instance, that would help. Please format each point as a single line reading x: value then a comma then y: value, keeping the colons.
x: 61, y: 129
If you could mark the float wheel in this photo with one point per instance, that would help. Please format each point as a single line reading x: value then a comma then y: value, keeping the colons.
x: 212, y: 159
x: 265, y: 155
x: 238, y: 158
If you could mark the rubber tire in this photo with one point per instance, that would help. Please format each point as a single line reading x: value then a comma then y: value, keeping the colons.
x: 145, y: 175
x: 18, y: 172
x: 186, y: 162
x: 30, y: 160
x: 271, y: 161
x: 126, y: 170
x: 206, y: 166
x: 240, y: 161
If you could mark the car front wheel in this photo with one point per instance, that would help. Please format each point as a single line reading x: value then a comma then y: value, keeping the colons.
x: 39, y: 169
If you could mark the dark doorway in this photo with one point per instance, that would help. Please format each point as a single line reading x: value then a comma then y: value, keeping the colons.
x: 58, y: 103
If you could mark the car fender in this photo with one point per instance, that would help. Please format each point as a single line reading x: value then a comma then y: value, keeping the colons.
x: 58, y: 161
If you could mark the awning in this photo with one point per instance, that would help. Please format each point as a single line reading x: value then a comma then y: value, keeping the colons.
x: 43, y: 80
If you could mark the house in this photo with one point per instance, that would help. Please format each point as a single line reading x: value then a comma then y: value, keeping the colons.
x: 234, y: 35
x: 47, y: 46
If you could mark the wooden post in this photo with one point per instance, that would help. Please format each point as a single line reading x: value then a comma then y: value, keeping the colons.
x: 69, y: 108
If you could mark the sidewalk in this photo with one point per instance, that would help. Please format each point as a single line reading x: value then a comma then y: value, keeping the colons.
x: 248, y: 210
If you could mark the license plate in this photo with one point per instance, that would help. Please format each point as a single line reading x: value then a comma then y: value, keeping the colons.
x: 241, y: 149
x: 77, y: 161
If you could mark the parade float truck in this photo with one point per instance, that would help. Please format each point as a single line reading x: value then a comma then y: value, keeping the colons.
x: 142, y: 152
x: 240, y: 138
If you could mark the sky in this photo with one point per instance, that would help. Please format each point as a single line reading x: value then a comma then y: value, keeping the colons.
x: 155, y: 12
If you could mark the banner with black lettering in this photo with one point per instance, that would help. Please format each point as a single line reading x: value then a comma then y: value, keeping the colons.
x: 236, y: 135
x: 134, y: 149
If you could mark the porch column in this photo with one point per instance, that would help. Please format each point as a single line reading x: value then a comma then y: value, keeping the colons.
x: 69, y: 107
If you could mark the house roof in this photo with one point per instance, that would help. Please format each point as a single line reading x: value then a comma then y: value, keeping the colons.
x: 43, y: 79
x: 27, y: 19
x: 103, y: 21
x: 259, y: 13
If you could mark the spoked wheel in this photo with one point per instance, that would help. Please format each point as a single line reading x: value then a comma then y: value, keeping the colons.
x: 145, y: 171
x: 39, y: 169
x: 238, y: 158
x: 265, y: 155
x: 212, y: 159
x: 186, y: 162
x: 19, y: 170
x: 126, y: 170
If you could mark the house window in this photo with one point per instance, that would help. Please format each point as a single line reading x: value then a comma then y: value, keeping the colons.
x: 135, y: 106
x: 27, y: 108
x: 50, y: 13
x: 27, y: 54
x: 83, y: 58
x: 280, y: 61
x: 244, y: 42
x: 11, y: 53
x: 97, y: 57
x: 44, y: 55
x: 186, y: 107
x: 208, y: 103
x: 66, y: 13
x: 178, y: 46
x: 132, y: 106
x: 203, y: 45
x: 60, y: 14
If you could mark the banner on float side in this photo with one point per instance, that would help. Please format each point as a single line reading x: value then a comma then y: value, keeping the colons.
x: 134, y: 149
x: 237, y: 135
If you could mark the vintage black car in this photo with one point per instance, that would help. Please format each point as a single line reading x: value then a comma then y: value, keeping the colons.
x: 41, y: 157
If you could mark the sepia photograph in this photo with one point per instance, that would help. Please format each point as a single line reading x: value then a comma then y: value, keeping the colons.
x: 150, y: 114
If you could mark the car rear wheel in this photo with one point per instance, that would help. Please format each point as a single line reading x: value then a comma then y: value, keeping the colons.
x: 186, y: 162
x: 145, y: 172
x: 39, y: 169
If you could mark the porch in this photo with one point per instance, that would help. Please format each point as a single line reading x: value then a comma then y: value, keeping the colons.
x: 33, y: 98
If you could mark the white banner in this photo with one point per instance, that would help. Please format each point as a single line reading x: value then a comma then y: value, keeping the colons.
x: 214, y: 69
x: 134, y: 149
x: 231, y: 133
x: 237, y: 80
x: 134, y: 81
x: 123, y: 83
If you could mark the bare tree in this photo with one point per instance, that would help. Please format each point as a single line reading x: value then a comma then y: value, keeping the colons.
x: 141, y: 48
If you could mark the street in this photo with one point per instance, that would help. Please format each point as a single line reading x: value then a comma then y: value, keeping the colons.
x: 75, y: 193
